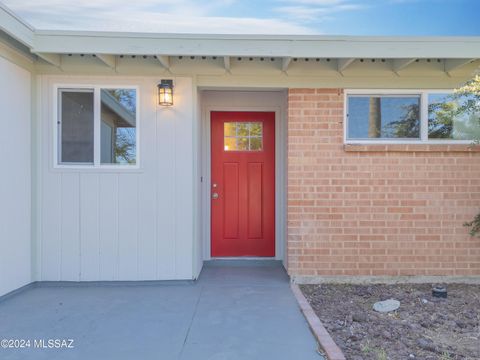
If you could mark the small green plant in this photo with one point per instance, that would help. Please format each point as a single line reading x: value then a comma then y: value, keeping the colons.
x: 366, y: 348
x: 382, y: 354
x: 474, y: 225
x: 445, y: 356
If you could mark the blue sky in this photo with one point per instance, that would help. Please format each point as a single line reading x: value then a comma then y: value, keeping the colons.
x: 336, y: 17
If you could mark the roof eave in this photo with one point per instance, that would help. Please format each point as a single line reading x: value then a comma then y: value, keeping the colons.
x: 64, y: 42
x: 16, y: 27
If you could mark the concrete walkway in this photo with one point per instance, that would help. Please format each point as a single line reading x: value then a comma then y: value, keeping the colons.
x: 236, y: 310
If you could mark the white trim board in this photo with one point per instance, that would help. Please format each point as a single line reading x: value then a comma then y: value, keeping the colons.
x: 62, y: 42
x: 241, y: 100
x: 16, y: 27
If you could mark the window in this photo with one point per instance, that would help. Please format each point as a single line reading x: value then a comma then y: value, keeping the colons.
x: 411, y: 116
x: 97, y: 126
x: 118, y: 129
x: 76, y: 124
x: 384, y: 117
x: 452, y: 116
x: 243, y: 136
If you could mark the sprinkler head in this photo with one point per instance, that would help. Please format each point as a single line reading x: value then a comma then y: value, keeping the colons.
x: 439, y: 291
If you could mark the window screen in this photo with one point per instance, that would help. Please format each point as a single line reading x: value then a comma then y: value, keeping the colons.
x: 76, y: 124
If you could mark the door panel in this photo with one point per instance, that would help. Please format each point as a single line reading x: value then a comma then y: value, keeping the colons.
x: 243, y: 184
x: 231, y: 203
x: 254, y: 200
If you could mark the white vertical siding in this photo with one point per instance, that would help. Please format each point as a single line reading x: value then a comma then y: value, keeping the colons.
x: 69, y: 222
x: 197, y: 174
x: 15, y: 179
x: 166, y: 200
x: 128, y: 227
x: 184, y: 160
x: 89, y: 227
x: 98, y: 224
x: 108, y: 226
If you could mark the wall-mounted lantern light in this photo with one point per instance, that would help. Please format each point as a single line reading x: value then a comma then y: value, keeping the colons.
x: 165, y: 93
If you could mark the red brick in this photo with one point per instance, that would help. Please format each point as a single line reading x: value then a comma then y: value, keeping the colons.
x: 375, y: 209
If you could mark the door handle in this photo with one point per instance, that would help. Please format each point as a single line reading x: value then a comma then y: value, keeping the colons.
x: 215, y: 196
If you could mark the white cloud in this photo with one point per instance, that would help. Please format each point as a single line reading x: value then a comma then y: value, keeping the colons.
x: 318, y: 10
x: 177, y: 16
x: 301, y: 12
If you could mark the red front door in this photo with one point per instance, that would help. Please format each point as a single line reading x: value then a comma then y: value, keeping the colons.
x: 243, y: 183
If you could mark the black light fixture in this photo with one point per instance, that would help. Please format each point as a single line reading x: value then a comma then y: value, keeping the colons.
x: 165, y: 92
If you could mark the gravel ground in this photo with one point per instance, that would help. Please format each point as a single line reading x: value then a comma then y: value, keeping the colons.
x: 423, y: 327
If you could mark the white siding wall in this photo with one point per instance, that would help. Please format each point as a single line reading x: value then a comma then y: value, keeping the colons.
x: 15, y: 179
x: 98, y: 224
x: 199, y: 217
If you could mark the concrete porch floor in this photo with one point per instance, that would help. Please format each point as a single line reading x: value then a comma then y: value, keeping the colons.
x: 236, y: 310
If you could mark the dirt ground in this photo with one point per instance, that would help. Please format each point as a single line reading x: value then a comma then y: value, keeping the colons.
x: 423, y: 327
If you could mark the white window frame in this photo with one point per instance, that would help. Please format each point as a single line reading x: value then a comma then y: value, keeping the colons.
x: 96, y: 126
x: 423, y: 93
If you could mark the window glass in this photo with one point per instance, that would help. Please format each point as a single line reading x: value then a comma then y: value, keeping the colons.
x: 76, y: 126
x: 453, y: 116
x: 255, y: 143
x: 118, y: 126
x: 243, y: 136
x: 383, y: 117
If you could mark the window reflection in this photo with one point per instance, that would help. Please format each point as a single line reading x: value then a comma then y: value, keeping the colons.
x: 243, y: 136
x: 118, y: 126
x: 383, y: 117
x: 452, y: 116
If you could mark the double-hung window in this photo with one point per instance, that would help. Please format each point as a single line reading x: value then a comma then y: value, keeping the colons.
x: 97, y: 126
x: 411, y: 117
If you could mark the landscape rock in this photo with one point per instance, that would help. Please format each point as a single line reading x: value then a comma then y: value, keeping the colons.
x: 426, y: 344
x: 359, y: 317
x: 353, y: 337
x: 386, y: 334
x: 469, y: 314
x: 426, y: 323
x: 386, y: 305
x: 349, y: 319
x: 336, y: 327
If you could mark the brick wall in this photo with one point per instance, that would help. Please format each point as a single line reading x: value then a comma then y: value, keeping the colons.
x: 375, y: 210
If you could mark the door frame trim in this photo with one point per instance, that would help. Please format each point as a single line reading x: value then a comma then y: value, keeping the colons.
x: 280, y: 174
x: 264, y: 246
